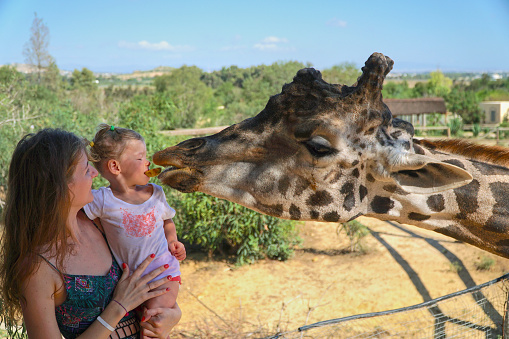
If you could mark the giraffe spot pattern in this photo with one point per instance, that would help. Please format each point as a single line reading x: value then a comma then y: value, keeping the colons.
x: 395, y: 189
x: 320, y: 198
x: 370, y: 177
x: 503, y: 243
x: 274, y: 210
x: 418, y: 149
x: 396, y: 134
x: 370, y: 131
x: 268, y: 186
x: 452, y: 231
x: 363, y: 191
x: 301, y: 185
x: 355, y: 173
x: 417, y: 216
x: 390, y: 188
x: 488, y: 169
x: 338, y: 175
x: 466, y: 197
x: 498, y: 221
x: 381, y: 205
x: 436, y: 202
x: 283, y: 185
x: 349, y: 200
x: 331, y: 216
x: 314, y: 214
x: 294, y: 212
x: 455, y: 162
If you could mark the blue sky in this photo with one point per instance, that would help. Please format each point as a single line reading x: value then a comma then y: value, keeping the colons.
x: 123, y: 36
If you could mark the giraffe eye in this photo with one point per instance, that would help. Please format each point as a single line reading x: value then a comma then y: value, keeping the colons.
x: 319, y: 147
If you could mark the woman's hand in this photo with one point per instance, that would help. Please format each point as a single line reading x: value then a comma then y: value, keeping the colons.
x: 131, y: 291
x: 158, y: 322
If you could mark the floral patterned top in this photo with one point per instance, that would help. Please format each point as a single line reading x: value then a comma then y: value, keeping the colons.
x: 87, y: 297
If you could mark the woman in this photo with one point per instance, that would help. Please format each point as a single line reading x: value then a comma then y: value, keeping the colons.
x: 57, y: 270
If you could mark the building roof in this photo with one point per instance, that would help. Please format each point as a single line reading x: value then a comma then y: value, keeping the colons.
x: 416, y: 106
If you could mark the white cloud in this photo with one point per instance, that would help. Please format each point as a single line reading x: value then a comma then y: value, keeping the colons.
x: 266, y: 47
x: 271, y: 43
x: 274, y: 40
x: 158, y: 46
x: 336, y: 23
x: 233, y: 48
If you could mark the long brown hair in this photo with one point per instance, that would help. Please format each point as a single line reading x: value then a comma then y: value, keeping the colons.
x: 36, y: 209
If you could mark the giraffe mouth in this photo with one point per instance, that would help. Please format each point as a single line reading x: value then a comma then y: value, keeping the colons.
x: 186, y: 179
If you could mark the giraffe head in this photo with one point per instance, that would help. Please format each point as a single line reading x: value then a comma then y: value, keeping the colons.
x: 313, y: 153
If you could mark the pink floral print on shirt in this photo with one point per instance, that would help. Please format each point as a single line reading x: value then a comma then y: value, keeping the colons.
x: 140, y: 225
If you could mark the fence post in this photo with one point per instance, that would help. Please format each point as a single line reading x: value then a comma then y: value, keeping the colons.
x: 498, y: 135
x: 505, y: 325
x: 448, y: 132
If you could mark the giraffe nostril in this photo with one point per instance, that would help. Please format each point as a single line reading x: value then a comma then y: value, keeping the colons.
x: 192, y: 144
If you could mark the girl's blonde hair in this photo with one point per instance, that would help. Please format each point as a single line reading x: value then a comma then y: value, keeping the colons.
x: 109, y: 143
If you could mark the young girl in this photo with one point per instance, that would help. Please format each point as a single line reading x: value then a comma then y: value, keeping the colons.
x: 135, y: 216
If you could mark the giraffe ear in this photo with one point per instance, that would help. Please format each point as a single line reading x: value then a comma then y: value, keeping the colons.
x: 424, y: 175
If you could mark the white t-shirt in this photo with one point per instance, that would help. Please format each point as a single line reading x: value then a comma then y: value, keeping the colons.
x: 134, y: 231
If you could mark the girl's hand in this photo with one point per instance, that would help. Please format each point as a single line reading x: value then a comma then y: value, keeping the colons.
x: 178, y: 250
x: 133, y: 290
x: 158, y: 322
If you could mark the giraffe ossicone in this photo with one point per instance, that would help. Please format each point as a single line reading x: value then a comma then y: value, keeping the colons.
x: 331, y: 152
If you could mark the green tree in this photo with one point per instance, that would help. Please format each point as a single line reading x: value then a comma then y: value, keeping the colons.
x: 345, y: 73
x: 439, y: 85
x: 36, y: 49
x: 84, y: 79
x: 266, y: 81
x: 16, y: 115
x: 465, y: 104
x: 397, y: 90
x: 52, y: 79
x: 192, y: 98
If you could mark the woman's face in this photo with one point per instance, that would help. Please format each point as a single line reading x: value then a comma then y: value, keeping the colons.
x: 80, y: 186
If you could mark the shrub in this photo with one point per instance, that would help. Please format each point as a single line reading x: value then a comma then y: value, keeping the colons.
x: 223, y: 227
x: 456, y: 126
x: 355, y: 231
x: 485, y: 263
x: 476, y: 129
x: 455, y: 267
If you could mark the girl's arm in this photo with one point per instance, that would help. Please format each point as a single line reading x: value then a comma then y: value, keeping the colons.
x: 176, y: 247
x: 131, y: 291
x: 169, y: 231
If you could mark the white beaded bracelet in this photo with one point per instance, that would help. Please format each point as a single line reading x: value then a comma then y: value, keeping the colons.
x: 105, y: 324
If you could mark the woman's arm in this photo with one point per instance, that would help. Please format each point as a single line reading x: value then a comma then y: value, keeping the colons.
x: 39, y: 310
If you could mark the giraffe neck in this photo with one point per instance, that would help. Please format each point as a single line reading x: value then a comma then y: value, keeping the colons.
x: 477, y: 213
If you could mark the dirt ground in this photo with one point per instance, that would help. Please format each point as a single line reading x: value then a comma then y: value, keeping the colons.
x: 320, y: 282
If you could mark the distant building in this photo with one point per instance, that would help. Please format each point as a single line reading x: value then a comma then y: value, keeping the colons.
x: 495, y: 111
x: 416, y: 110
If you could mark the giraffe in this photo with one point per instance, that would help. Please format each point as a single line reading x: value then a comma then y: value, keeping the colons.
x: 328, y: 152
